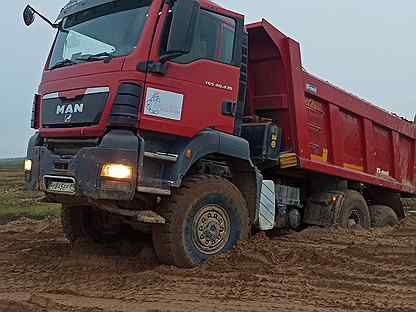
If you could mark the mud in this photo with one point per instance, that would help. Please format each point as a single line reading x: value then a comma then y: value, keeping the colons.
x: 314, y: 270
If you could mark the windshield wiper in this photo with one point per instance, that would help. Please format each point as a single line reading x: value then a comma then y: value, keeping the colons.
x: 106, y: 56
x: 66, y: 62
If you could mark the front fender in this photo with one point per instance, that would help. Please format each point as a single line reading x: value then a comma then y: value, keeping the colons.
x: 210, y: 142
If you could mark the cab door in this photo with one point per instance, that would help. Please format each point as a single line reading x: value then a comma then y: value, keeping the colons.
x: 198, y: 90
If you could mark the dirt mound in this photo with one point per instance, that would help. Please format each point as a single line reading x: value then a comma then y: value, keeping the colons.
x: 314, y: 269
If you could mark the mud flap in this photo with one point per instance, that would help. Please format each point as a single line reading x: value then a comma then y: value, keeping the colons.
x: 267, y: 213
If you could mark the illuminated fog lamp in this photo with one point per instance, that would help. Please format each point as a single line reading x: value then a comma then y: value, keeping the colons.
x: 28, y: 165
x: 117, y: 171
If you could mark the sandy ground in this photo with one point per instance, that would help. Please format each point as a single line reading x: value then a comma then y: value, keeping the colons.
x: 315, y: 270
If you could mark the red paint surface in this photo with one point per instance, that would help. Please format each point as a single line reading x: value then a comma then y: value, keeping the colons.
x: 332, y: 131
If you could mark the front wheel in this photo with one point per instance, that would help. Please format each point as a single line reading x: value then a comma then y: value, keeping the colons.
x: 87, y: 223
x: 205, y: 217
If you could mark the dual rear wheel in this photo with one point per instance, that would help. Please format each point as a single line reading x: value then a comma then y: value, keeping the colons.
x: 355, y: 211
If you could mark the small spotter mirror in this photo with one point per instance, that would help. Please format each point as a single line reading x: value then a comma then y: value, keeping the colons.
x: 28, y: 16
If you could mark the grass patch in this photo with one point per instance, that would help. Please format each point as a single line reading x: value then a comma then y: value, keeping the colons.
x: 16, y: 202
x: 11, y: 164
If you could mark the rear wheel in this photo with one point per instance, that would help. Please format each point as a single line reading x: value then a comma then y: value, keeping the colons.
x: 205, y: 217
x: 383, y: 197
x: 87, y: 223
x: 354, y: 211
x: 382, y: 216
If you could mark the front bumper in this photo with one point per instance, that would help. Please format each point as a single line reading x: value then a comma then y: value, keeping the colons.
x: 118, y: 146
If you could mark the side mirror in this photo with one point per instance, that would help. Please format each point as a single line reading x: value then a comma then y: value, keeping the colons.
x: 182, y: 29
x: 28, y: 15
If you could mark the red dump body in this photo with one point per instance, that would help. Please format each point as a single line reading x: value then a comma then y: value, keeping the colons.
x: 330, y: 130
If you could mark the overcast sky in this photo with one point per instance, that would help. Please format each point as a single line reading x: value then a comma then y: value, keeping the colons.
x: 366, y: 47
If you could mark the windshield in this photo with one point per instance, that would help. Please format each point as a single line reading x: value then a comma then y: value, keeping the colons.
x: 109, y: 30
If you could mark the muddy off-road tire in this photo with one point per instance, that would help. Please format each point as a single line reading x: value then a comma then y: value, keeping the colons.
x: 206, y: 216
x: 354, y: 211
x: 383, y: 197
x: 393, y: 201
x: 86, y: 223
x: 71, y: 218
x: 382, y: 216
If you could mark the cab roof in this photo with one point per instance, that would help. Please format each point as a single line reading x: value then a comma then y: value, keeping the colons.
x: 75, y: 6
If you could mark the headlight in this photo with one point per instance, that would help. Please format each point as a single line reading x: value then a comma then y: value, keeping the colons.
x: 117, y: 171
x: 28, y: 165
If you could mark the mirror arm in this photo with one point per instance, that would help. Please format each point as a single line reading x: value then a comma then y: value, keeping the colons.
x: 53, y: 25
x: 169, y: 56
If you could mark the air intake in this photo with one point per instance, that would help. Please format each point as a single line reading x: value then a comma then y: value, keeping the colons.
x: 34, y: 123
x: 126, y: 107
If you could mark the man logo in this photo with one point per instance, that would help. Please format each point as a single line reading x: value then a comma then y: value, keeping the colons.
x: 68, y: 118
x: 69, y: 109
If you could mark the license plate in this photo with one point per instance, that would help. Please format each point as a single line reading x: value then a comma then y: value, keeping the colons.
x: 61, y: 187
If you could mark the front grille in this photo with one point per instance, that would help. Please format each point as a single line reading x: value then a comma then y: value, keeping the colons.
x: 83, y: 111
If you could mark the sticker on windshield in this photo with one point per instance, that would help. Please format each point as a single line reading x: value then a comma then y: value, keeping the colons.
x: 163, y: 104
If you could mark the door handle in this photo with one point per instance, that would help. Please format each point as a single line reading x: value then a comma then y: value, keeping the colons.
x: 229, y: 109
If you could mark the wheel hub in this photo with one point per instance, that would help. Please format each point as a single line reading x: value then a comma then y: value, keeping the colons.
x: 211, y: 229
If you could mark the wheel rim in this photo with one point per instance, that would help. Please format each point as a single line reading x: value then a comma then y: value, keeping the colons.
x: 354, y: 218
x: 211, y: 229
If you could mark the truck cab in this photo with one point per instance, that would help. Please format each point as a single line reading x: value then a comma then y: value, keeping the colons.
x: 135, y: 98
x: 154, y: 73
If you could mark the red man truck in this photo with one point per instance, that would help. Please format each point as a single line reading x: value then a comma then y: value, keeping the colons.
x: 174, y: 118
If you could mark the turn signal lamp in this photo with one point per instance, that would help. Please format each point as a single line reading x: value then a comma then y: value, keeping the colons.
x: 189, y: 153
x: 117, y: 171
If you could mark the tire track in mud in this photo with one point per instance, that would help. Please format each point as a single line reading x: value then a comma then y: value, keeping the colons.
x: 335, y: 269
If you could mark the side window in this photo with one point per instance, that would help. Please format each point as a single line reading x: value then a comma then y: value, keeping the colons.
x: 228, y: 39
x: 214, y: 39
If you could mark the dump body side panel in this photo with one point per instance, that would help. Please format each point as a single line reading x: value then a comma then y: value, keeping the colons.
x: 332, y: 131
x: 352, y: 134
